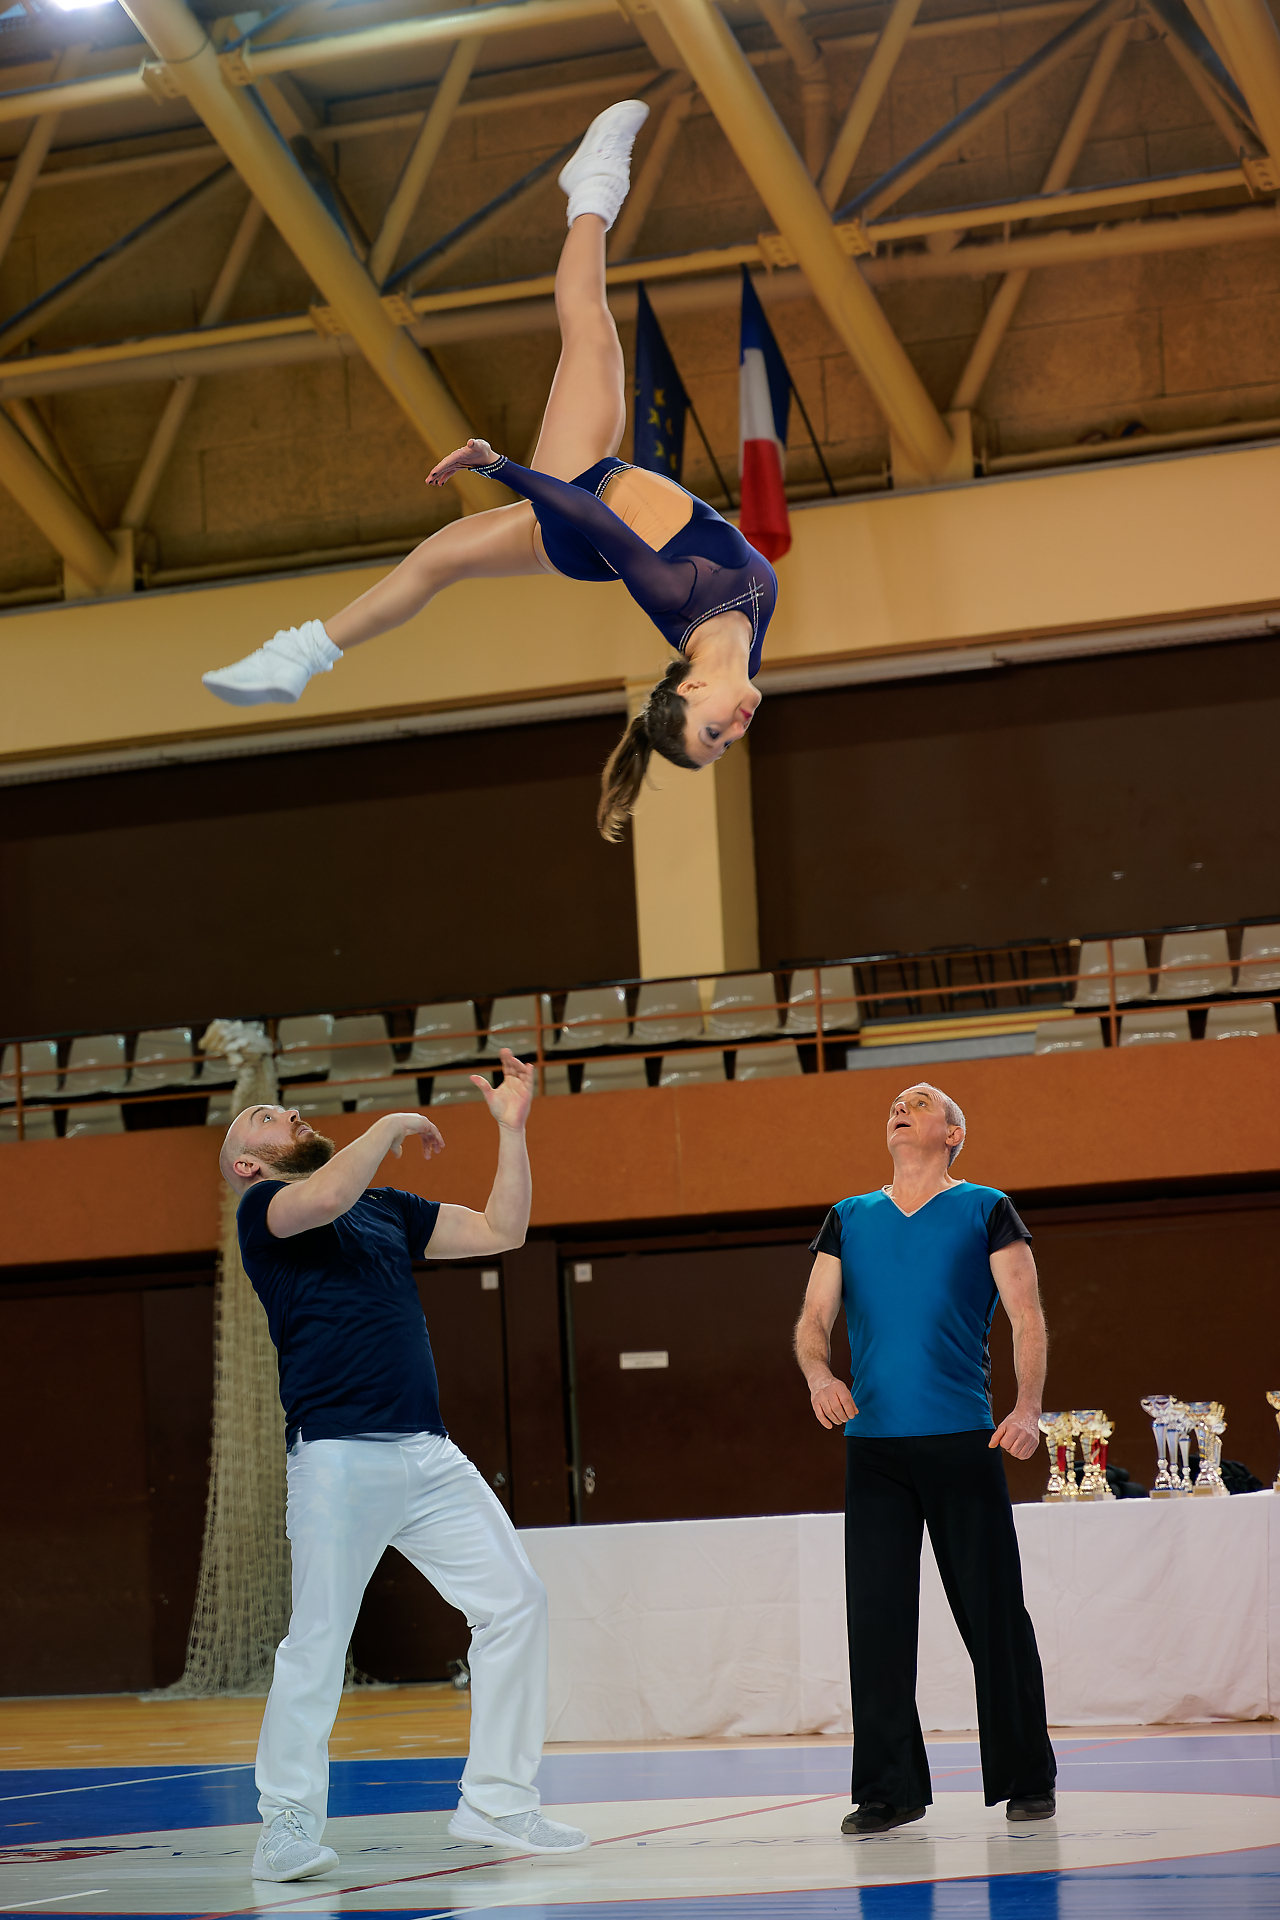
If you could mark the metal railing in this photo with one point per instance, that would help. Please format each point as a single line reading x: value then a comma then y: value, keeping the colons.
x: 991, y: 996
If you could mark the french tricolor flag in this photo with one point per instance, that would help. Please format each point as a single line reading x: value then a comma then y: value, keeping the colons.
x: 764, y: 404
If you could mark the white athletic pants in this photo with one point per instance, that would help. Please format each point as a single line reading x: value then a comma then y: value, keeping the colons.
x: 348, y: 1501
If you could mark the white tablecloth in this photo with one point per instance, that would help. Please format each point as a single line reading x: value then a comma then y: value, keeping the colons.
x: 1145, y: 1611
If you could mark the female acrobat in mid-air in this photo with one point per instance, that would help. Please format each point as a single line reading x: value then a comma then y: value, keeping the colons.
x: 704, y: 587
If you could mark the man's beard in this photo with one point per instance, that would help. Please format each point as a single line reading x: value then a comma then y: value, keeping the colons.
x: 304, y: 1156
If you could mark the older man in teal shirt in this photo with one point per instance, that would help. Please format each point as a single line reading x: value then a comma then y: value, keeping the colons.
x: 918, y: 1267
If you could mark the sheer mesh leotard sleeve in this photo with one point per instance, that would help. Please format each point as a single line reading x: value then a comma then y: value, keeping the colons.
x: 704, y: 569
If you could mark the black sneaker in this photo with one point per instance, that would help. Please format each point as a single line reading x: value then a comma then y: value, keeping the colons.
x: 1032, y: 1806
x: 877, y: 1816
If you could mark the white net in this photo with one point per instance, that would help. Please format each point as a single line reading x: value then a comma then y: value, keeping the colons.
x: 242, y: 1600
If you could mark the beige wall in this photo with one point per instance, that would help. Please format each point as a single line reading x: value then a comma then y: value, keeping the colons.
x: 1159, y: 541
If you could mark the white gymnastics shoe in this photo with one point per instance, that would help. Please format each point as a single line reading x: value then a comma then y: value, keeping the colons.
x: 519, y: 1832
x: 598, y: 177
x: 284, y: 1852
x: 277, y: 671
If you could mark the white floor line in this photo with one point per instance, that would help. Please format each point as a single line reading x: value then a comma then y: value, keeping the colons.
x: 141, y: 1780
x: 20, y: 1906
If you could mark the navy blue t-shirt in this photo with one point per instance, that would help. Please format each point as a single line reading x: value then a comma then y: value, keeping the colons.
x: 344, y: 1315
x: 918, y: 1300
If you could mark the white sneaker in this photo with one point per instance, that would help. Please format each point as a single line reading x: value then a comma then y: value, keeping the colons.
x: 520, y: 1832
x: 284, y: 1852
x: 277, y: 671
x: 598, y: 177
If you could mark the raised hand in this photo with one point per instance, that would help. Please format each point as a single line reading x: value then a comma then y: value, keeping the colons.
x: 400, y: 1125
x: 509, y: 1104
x: 476, y: 453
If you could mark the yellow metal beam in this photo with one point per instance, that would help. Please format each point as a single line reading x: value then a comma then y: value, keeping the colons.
x: 413, y: 178
x: 249, y: 142
x: 64, y: 524
x: 1005, y: 302
x: 871, y: 90
x: 1248, y: 32
x: 764, y: 148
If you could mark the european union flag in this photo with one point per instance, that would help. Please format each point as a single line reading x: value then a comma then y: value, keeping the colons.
x: 661, y: 401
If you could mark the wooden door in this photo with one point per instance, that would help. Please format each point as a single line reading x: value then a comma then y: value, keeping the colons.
x: 688, y: 1401
x: 405, y: 1630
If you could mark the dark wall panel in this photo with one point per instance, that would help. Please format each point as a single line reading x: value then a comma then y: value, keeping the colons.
x: 1142, y: 1302
x: 412, y: 870
x: 177, y: 1332
x: 75, y: 1611
x: 1089, y: 795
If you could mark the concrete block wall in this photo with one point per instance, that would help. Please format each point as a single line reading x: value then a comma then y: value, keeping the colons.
x: 293, y: 458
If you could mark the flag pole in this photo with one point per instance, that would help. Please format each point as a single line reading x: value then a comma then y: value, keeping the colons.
x: 702, y: 435
x: 804, y: 415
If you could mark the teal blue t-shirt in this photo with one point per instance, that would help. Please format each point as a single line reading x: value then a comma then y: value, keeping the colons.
x: 918, y: 1300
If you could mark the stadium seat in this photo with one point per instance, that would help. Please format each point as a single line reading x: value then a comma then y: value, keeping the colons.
x: 107, y: 1118
x: 1130, y: 954
x: 1069, y: 1036
x: 1260, y: 947
x: 739, y: 1007
x: 1155, y: 1029
x: 40, y: 1074
x: 836, y: 984
x: 453, y: 1090
x: 1206, y: 953
x: 37, y: 1124
x: 555, y: 1079
x: 614, y: 1076
x: 657, y: 1020
x: 1240, y: 1023
x: 217, y: 1071
x: 311, y: 1098
x: 219, y: 1113
x: 766, y: 1063
x: 593, y: 1017
x: 699, y: 1069
x: 100, y: 1056
x: 302, y: 1044
x: 158, y: 1060
x: 513, y: 1022
x: 361, y: 1050
x: 444, y: 1033
x: 384, y: 1096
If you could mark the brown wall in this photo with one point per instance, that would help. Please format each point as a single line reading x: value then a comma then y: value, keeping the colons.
x: 1089, y: 795
x: 1055, y: 1124
x: 104, y: 1413
x: 412, y: 870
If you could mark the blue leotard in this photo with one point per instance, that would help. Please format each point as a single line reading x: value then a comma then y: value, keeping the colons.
x: 704, y: 569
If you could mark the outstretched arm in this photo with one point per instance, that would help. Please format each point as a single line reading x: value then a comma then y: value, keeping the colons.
x: 460, y: 1232
x: 830, y: 1399
x: 1014, y: 1271
x: 324, y: 1196
x: 661, y: 584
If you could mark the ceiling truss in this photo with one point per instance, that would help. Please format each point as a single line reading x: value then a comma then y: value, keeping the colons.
x: 245, y: 95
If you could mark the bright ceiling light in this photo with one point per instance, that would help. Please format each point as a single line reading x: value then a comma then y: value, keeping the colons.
x: 79, y: 6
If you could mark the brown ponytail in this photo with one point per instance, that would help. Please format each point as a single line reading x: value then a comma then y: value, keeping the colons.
x: 657, y: 728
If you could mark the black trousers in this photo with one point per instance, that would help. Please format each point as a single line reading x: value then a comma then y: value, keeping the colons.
x: 954, y: 1484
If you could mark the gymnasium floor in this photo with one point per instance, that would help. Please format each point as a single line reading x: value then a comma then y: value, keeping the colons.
x: 122, y: 1806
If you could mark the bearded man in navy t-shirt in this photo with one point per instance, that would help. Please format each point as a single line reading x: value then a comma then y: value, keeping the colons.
x: 918, y: 1267
x: 370, y: 1464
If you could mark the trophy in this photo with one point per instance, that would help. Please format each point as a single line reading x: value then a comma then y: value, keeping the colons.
x: 1059, y: 1433
x: 1209, y: 1425
x: 1273, y: 1401
x: 1158, y: 1405
x: 1095, y: 1431
x: 1178, y: 1420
